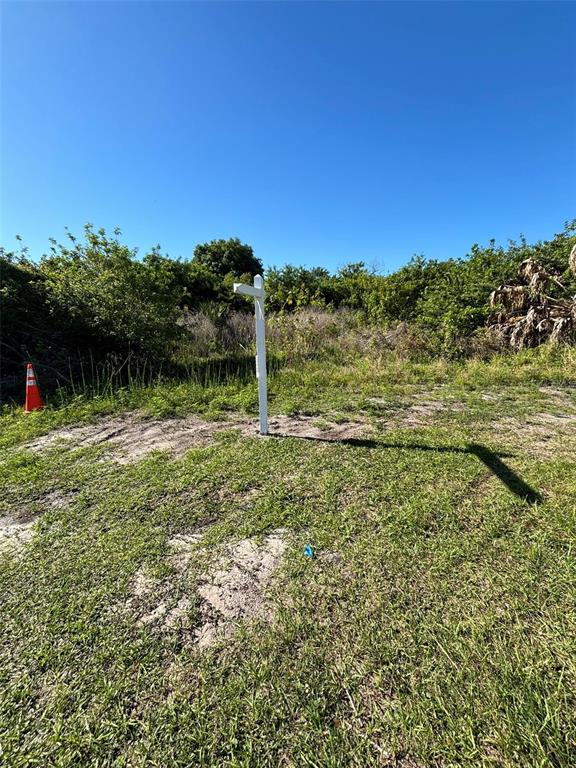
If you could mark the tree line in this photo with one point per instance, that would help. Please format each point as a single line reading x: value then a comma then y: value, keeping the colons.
x: 96, y: 293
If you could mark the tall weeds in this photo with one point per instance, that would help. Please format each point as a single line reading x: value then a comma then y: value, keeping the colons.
x: 219, y: 349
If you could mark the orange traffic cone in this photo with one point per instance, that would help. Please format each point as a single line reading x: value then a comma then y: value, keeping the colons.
x: 33, y: 399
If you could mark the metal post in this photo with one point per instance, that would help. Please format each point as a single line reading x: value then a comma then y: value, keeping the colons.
x: 257, y: 291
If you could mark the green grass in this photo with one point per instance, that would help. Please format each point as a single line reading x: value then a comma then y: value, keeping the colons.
x: 442, y: 635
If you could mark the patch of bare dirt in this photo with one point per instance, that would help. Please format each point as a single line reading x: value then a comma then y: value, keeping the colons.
x: 563, y: 398
x: 130, y: 436
x: 17, y: 526
x: 230, y: 590
x: 423, y: 412
x: 234, y: 589
x: 419, y: 413
x: 315, y: 427
x: 554, y: 419
x: 15, y: 531
x: 546, y: 434
x: 184, y: 545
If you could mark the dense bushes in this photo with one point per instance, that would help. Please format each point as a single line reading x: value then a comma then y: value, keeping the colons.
x: 95, y: 296
x: 447, y: 298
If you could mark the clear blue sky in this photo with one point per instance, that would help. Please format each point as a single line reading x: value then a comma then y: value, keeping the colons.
x: 320, y: 133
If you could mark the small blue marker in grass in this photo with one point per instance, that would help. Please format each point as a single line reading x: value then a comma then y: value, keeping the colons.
x: 308, y: 551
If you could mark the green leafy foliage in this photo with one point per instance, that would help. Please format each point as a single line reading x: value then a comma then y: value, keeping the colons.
x: 224, y: 257
x: 106, y: 293
x: 293, y: 287
x: 22, y: 293
x: 446, y: 298
x: 95, y: 296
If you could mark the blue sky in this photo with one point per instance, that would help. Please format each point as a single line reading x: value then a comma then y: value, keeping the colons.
x: 320, y: 133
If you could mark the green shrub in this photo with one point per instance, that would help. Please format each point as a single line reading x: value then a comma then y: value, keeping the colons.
x: 95, y: 297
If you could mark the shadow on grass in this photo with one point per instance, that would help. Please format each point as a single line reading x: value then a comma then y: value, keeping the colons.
x: 490, y: 459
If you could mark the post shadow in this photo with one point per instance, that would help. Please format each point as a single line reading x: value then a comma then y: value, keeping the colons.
x: 504, y: 473
x: 490, y: 459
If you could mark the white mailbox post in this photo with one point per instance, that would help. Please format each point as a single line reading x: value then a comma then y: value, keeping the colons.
x: 257, y: 290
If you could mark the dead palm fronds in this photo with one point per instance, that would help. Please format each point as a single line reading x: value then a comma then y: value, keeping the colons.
x: 572, y: 261
x: 526, y: 315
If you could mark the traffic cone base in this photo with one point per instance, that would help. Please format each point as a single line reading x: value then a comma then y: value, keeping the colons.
x: 33, y: 398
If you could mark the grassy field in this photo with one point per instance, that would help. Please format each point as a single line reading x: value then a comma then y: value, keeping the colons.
x: 434, y: 626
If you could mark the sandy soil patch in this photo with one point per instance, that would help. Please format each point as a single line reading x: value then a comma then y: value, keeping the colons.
x: 419, y: 413
x: 552, y: 419
x: 423, y: 412
x: 234, y: 589
x: 130, y: 436
x: 17, y: 526
x: 315, y: 427
x: 562, y: 398
x: 15, y: 530
x: 230, y: 590
x: 545, y: 434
